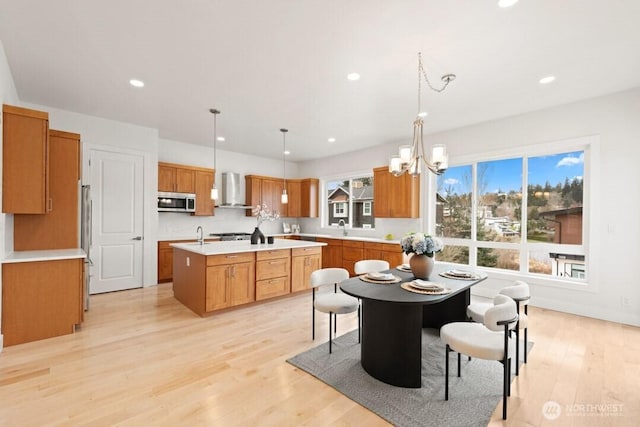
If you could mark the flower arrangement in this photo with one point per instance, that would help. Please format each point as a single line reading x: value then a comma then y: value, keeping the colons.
x: 263, y: 213
x: 420, y: 243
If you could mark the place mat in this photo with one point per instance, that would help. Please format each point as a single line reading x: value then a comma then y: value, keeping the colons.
x: 474, y: 276
x: 407, y: 287
x: 404, y: 269
x: 395, y: 279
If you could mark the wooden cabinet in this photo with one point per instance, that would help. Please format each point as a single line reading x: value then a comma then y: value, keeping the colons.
x: 176, y: 178
x: 303, y: 195
x: 58, y: 229
x: 230, y: 280
x: 390, y: 252
x: 303, y: 262
x: 331, y: 253
x: 352, y: 252
x: 395, y: 197
x: 203, y: 184
x: 273, y: 273
x: 188, y: 179
x: 25, y: 160
x: 165, y: 258
x: 41, y: 299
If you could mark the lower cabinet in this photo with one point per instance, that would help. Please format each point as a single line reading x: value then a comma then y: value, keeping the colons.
x: 303, y: 262
x: 352, y: 252
x: 41, y: 299
x: 341, y: 253
x: 273, y: 273
x: 165, y: 258
x: 331, y: 253
x: 230, y: 280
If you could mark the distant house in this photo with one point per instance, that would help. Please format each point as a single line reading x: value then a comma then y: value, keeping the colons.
x: 568, y: 230
x: 362, y: 204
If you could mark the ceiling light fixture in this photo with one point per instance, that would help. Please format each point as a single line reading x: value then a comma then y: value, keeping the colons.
x: 353, y: 76
x: 506, y: 3
x: 214, y: 189
x: 221, y: 138
x: 285, y: 198
x: 410, y: 156
x: 136, y: 83
x: 547, y: 79
x: 331, y: 140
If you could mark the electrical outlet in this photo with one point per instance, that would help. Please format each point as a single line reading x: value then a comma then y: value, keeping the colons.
x: 188, y: 261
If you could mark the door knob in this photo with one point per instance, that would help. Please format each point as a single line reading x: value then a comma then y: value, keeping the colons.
x: 137, y: 238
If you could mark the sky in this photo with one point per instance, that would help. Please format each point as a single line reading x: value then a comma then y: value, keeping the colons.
x: 506, y: 175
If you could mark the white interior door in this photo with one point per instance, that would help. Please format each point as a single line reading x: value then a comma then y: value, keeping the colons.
x: 117, y: 196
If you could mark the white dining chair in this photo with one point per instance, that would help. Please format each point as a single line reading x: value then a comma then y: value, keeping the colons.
x: 370, y: 266
x: 521, y: 294
x: 489, y: 341
x: 333, y: 303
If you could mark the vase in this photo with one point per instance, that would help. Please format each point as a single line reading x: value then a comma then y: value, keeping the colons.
x: 257, y: 237
x: 421, y: 266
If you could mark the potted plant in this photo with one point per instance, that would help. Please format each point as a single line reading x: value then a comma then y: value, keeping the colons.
x: 423, y: 248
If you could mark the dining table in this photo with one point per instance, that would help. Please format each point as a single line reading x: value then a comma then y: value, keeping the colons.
x: 393, y: 318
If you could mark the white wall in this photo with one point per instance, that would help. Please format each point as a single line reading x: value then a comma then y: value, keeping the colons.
x: 615, y: 228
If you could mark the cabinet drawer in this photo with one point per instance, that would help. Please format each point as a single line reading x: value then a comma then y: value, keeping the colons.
x: 277, y: 253
x: 373, y: 246
x: 316, y: 250
x: 352, y: 244
x: 272, y: 288
x: 230, y: 258
x: 330, y: 242
x: 269, y: 269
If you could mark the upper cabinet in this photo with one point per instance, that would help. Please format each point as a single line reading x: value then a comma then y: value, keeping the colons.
x: 25, y: 161
x: 395, y: 196
x: 176, y: 178
x: 188, y: 179
x: 58, y: 229
x: 303, y: 195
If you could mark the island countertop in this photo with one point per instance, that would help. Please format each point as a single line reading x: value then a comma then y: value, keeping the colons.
x: 237, y: 246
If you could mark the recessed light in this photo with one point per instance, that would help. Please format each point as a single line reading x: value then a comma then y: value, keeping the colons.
x: 353, y: 76
x: 287, y: 152
x: 136, y: 83
x: 506, y: 3
x: 423, y: 114
x: 547, y: 79
x: 331, y: 140
x: 220, y: 138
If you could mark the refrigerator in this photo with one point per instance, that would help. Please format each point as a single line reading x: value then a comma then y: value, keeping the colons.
x: 85, y: 238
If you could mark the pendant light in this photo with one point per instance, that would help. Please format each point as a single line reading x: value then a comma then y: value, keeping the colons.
x: 285, y: 198
x: 214, y: 189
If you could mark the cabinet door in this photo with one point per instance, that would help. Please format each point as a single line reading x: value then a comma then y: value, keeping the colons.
x: 58, y: 229
x: 295, y: 199
x: 242, y: 286
x: 25, y: 161
x: 404, y: 197
x: 185, y: 180
x: 309, y: 198
x: 381, y: 180
x: 166, y: 178
x: 217, y: 287
x: 165, y: 265
x: 298, y: 269
x: 253, y: 192
x: 204, y: 204
x: 332, y: 253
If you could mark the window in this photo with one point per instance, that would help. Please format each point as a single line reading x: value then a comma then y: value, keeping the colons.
x: 535, y: 231
x: 366, y: 209
x: 349, y: 199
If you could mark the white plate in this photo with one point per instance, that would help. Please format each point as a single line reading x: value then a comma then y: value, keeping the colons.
x: 427, y: 286
x: 380, y: 276
x: 460, y: 273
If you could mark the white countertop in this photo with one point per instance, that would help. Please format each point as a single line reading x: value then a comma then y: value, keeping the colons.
x: 44, y: 255
x: 237, y: 246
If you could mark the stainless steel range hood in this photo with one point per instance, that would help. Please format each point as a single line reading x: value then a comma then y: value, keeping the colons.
x: 232, y: 195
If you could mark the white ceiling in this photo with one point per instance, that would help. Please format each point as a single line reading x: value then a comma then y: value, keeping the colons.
x: 283, y: 63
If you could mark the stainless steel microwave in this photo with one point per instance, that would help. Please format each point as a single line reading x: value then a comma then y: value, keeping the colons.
x: 176, y: 202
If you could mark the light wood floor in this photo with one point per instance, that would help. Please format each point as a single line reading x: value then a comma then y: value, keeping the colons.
x: 141, y: 358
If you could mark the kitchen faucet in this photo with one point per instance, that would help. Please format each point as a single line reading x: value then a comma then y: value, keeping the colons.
x: 344, y: 227
x: 200, y: 232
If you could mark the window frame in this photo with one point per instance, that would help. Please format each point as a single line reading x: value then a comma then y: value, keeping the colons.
x: 590, y: 238
x: 324, y: 205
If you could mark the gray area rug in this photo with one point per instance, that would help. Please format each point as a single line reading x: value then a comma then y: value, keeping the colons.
x: 472, y: 398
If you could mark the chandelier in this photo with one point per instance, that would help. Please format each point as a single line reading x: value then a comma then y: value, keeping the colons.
x: 410, y: 157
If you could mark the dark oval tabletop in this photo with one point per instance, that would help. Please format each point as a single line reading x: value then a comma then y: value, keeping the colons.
x: 394, y: 293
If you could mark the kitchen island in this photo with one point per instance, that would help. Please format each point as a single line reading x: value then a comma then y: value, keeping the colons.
x: 214, y: 276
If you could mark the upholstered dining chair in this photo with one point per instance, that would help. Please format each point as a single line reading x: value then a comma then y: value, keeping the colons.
x: 333, y: 303
x: 490, y: 341
x: 520, y: 293
x: 370, y: 266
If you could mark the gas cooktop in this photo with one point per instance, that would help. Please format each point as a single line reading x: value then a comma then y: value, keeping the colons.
x: 231, y: 236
